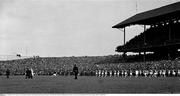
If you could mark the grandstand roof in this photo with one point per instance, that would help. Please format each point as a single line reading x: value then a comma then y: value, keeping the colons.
x: 149, y: 17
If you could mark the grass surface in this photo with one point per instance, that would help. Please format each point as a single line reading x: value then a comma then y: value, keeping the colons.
x: 66, y: 84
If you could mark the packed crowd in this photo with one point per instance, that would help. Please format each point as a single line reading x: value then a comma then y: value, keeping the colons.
x: 51, y: 65
x: 91, y: 66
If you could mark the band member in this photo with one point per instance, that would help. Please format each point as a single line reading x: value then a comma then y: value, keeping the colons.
x: 75, y: 70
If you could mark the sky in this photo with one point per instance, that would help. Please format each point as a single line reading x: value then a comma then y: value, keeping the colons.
x: 67, y: 27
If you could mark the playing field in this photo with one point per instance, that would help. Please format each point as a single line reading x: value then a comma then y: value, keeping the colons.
x: 84, y: 84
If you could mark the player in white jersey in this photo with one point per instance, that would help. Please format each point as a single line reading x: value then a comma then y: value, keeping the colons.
x: 169, y: 72
x: 122, y: 73
x: 125, y: 73
x: 140, y: 72
x: 115, y: 73
x: 99, y: 73
x: 178, y: 72
x: 173, y: 73
x: 145, y: 73
x: 160, y: 73
x: 96, y: 72
x: 155, y: 73
x: 151, y: 73
x: 164, y: 73
x: 136, y: 72
x: 110, y: 73
x: 102, y: 73
x: 118, y: 73
x: 130, y: 73
x: 32, y: 73
x: 105, y: 73
x: 54, y: 75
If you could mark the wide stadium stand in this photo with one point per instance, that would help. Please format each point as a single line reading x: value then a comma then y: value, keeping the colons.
x: 161, y: 33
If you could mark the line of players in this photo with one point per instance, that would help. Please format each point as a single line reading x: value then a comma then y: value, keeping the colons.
x: 136, y: 73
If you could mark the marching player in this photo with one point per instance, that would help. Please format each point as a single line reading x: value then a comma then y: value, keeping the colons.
x: 102, y: 73
x: 145, y: 73
x: 130, y: 73
x: 110, y: 73
x: 96, y: 72
x: 118, y: 73
x: 151, y: 73
x: 122, y: 73
x: 178, y: 72
x: 155, y: 73
x: 115, y: 73
x: 136, y: 72
x: 125, y: 73
x: 164, y: 73
x: 99, y: 73
x: 106, y: 73
x: 173, y: 73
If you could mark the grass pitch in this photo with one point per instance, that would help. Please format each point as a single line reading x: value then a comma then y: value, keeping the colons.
x: 88, y: 84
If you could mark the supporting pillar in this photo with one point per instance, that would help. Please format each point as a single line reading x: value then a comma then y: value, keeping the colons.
x: 169, y: 38
x: 144, y: 35
x: 124, y: 41
x: 144, y: 58
x: 124, y: 35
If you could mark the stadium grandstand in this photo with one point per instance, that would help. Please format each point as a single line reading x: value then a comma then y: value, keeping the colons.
x: 161, y: 35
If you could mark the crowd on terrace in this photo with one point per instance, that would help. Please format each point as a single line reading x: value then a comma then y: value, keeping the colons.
x: 88, y: 66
